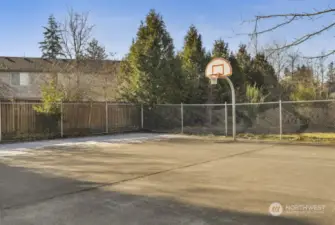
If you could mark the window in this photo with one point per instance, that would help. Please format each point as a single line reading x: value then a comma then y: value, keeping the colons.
x: 15, y: 79
x: 19, y: 79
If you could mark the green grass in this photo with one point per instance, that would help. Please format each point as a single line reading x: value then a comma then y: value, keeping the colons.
x: 305, y: 137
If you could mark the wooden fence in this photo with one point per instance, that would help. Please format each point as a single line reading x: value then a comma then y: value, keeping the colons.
x: 19, y: 120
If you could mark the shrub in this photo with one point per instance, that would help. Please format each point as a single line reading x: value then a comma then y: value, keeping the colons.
x: 51, y: 99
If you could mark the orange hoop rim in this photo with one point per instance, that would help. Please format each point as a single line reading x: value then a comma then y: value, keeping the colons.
x: 217, y: 76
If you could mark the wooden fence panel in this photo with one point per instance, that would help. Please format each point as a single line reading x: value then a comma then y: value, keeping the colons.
x: 83, y: 118
x: 19, y: 120
x: 123, y: 117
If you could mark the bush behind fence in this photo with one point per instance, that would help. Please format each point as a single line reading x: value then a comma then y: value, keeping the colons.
x: 19, y: 121
x: 277, y: 118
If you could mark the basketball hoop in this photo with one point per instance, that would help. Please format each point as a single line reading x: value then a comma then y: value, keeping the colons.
x: 218, y: 68
x: 221, y: 68
x: 213, y: 78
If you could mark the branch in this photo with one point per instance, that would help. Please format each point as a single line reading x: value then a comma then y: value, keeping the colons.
x: 308, y: 36
x: 304, y: 38
x: 321, y: 56
x: 292, y: 16
x: 277, y: 26
x: 65, y: 40
x: 296, y: 14
x: 75, y: 33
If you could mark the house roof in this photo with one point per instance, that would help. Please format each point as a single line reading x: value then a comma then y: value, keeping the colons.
x: 30, y: 64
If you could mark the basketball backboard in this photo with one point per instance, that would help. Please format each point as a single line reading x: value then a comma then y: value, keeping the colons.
x: 218, y: 67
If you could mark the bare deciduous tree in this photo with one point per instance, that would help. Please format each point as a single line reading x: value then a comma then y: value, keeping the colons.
x: 75, y: 34
x: 108, y: 77
x: 293, y: 58
x: 95, y: 51
x: 321, y: 69
x: 277, y: 59
x: 289, y: 18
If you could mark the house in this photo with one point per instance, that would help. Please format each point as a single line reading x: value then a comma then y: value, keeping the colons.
x: 23, y: 77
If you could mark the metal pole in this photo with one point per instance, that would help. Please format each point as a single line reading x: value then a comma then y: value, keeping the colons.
x: 106, y: 118
x: 0, y: 125
x: 226, y: 118
x: 13, y: 121
x: 233, y: 102
x: 280, y: 120
x: 182, y: 117
x: 61, y: 119
x: 142, y: 116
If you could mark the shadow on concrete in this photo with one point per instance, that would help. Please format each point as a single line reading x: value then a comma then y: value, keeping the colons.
x: 20, y: 186
x: 28, y: 197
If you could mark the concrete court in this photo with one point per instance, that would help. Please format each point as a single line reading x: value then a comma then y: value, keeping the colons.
x: 171, y: 181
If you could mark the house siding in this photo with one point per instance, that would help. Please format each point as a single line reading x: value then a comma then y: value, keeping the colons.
x: 96, y: 78
x: 101, y: 87
x: 30, y: 91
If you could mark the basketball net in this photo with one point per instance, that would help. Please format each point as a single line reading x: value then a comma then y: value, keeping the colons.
x: 214, y: 78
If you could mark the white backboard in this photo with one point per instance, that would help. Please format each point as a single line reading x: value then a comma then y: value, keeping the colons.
x: 220, y: 67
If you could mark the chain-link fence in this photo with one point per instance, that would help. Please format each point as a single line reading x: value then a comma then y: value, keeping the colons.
x: 163, y: 118
x: 205, y: 119
x: 258, y: 118
x: 20, y: 121
x: 308, y: 117
x: 267, y: 118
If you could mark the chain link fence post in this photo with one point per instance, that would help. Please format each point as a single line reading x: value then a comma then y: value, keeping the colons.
x: 142, y: 117
x: 1, y: 215
x: 61, y: 119
x: 226, y: 118
x: 13, y: 111
x: 182, y: 117
x: 0, y: 127
x: 106, y: 118
x: 280, y: 120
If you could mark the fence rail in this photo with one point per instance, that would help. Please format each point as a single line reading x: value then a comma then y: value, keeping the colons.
x: 19, y: 121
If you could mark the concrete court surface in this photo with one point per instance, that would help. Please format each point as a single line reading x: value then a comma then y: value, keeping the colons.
x: 167, y: 181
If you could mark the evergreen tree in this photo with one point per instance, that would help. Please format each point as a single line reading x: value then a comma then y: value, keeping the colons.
x: 263, y: 73
x: 241, y: 64
x: 149, y: 72
x: 256, y: 72
x: 244, y: 59
x: 51, y: 46
x: 194, y: 59
x: 221, y: 90
x: 220, y: 49
x: 263, y: 76
x: 238, y: 77
x: 95, y: 51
